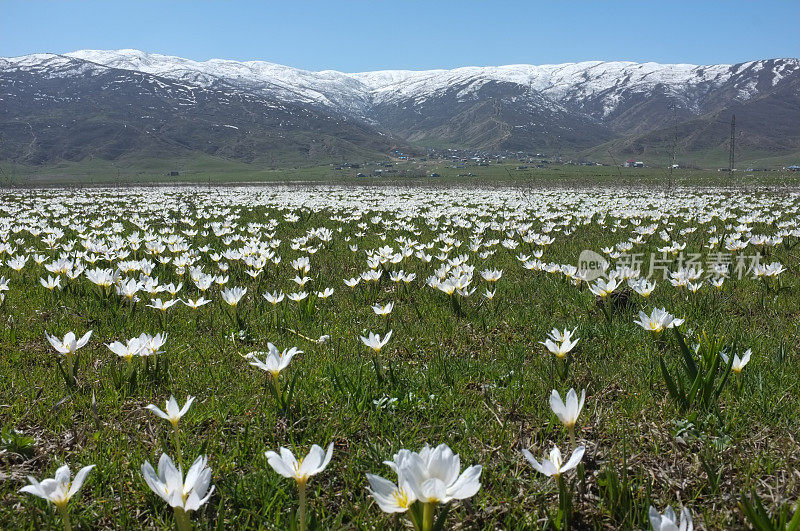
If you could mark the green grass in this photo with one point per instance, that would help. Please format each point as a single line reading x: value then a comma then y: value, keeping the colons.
x: 210, y: 170
x: 477, y: 380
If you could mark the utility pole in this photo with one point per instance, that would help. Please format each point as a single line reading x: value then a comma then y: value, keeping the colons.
x: 733, y: 142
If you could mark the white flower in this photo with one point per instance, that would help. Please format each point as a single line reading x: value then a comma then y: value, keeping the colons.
x: 434, y: 475
x: 738, y: 363
x: 287, y: 466
x: 375, y: 342
x: 69, y: 345
x: 275, y: 360
x: 658, y: 320
x: 669, y: 521
x: 174, y: 412
x: 567, y: 412
x: 555, y: 466
x: 195, y: 304
x: 383, y: 310
x: 59, y: 489
x: 560, y: 349
x: 169, y: 484
x: 233, y: 295
x: 274, y: 298
x: 132, y: 347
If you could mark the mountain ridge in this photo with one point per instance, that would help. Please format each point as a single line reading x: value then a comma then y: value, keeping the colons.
x: 570, y: 106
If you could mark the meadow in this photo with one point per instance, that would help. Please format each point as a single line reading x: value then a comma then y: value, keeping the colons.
x: 380, y: 320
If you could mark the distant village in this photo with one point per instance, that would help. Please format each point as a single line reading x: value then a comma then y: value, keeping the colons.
x: 402, y: 164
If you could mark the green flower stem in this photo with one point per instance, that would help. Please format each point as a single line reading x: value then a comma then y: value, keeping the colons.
x: 177, y: 441
x: 301, y: 486
x: 62, y: 509
x: 182, y: 521
x: 428, y: 512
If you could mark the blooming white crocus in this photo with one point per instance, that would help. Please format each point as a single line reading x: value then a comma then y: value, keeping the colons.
x: 555, y: 466
x: 288, y: 466
x: 232, y: 296
x: 132, y: 347
x: 70, y: 344
x: 353, y: 282
x: 274, y: 298
x: 301, y: 471
x: 297, y: 297
x: 152, y: 344
x: 492, y: 275
x: 158, y: 304
x: 50, y: 282
x: 489, y: 294
x: 59, y: 489
x: 557, y: 336
x: 568, y: 411
x: 432, y: 476
x: 603, y: 288
x: 195, y: 304
x: 182, y: 495
x: 669, y: 520
x: 391, y: 498
x: 327, y: 292
x: 717, y: 282
x: 560, y: 349
x: 738, y: 363
x: 383, y: 309
x: 658, y: 320
x: 375, y: 342
x: 174, y: 412
x: 275, y: 360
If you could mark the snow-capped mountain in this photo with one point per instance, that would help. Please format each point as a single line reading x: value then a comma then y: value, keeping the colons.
x: 518, y: 107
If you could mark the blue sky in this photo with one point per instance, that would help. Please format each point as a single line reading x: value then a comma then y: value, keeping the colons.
x: 369, y: 35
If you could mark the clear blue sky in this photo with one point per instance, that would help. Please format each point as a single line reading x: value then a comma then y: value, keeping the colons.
x: 369, y: 35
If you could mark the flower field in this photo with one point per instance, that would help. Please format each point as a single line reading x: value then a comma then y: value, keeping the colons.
x: 340, y: 357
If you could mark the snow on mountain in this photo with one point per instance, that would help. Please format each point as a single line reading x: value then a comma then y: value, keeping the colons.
x: 354, y: 93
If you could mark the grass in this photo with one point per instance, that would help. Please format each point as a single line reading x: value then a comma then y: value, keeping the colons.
x: 476, y: 379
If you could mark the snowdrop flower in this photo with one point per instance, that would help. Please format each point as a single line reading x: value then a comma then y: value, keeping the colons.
x: 69, y: 345
x: 375, y: 342
x: 184, y: 496
x: 669, y: 521
x: 174, y: 412
x: 555, y: 466
x: 658, y: 320
x: 59, y: 489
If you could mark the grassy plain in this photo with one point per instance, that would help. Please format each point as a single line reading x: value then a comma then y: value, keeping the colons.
x: 477, y: 378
